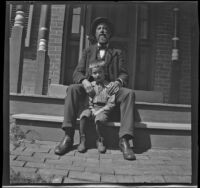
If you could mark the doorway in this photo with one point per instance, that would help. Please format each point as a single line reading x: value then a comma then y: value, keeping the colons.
x: 78, y: 19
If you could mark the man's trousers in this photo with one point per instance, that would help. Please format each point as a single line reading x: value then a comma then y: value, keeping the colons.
x: 125, y: 99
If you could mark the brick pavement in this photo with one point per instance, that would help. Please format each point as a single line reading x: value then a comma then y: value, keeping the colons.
x: 152, y: 166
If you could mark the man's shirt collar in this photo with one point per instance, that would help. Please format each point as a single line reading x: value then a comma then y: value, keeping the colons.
x: 102, y: 47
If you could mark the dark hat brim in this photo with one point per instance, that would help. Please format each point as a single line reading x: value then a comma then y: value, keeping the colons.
x: 98, y: 21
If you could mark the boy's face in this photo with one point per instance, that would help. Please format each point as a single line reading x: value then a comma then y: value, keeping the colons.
x: 98, y: 74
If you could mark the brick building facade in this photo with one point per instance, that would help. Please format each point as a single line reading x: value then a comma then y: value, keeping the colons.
x: 156, y: 33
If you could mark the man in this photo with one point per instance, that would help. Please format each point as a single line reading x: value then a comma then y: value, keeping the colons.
x: 101, y: 30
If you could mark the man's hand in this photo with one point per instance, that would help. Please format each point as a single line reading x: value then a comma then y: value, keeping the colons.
x: 88, y: 87
x: 113, y: 87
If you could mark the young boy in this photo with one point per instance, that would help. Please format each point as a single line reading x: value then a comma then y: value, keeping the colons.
x: 99, y: 106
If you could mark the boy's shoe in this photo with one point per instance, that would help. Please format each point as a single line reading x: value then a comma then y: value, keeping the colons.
x: 100, y: 145
x: 81, y: 146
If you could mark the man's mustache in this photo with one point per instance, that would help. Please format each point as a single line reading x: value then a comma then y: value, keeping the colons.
x: 103, y: 34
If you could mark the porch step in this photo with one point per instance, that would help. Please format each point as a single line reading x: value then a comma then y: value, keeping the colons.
x: 147, y: 134
x: 59, y: 90
x: 59, y: 120
x: 144, y: 111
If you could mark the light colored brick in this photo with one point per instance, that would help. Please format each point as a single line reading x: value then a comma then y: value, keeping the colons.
x: 45, y: 150
x: 108, y: 178
x: 149, y: 179
x: 63, y: 162
x: 19, y: 149
x: 77, y: 168
x: 26, y: 153
x: 17, y: 163
x: 105, y: 161
x: 73, y: 158
x: 50, y: 143
x: 53, y: 172
x: 85, y: 164
x: 23, y: 169
x: 124, y: 179
x: 57, y: 180
x: 13, y: 157
x: 46, y: 155
x: 28, y: 158
x: 92, y: 160
x: 29, y: 175
x: 101, y: 170
x: 69, y: 180
x: 132, y: 172
x: 39, y: 165
x: 94, y: 151
x: 177, y: 179
x: 87, y: 155
x: 84, y: 176
x: 116, y: 152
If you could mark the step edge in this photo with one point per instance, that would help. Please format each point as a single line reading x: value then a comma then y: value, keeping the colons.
x: 11, y: 95
x: 149, y: 125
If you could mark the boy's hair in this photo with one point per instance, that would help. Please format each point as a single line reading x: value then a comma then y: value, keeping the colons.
x: 97, y: 64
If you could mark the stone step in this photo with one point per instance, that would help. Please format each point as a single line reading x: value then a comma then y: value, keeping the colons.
x: 59, y: 120
x: 59, y: 90
x: 144, y: 111
x: 147, y: 134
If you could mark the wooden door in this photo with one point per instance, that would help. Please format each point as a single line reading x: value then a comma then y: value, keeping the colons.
x: 124, y: 19
x: 74, y: 20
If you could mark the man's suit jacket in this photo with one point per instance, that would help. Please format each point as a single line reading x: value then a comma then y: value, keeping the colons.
x: 114, y: 60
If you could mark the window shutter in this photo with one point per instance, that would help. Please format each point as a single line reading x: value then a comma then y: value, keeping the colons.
x: 28, y: 14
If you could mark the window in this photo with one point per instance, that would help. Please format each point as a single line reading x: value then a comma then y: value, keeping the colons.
x: 28, y: 13
x: 76, y: 20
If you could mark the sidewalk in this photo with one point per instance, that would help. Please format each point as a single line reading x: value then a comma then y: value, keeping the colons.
x: 152, y: 166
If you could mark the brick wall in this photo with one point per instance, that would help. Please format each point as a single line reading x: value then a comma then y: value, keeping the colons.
x: 185, y: 54
x: 163, y: 49
x: 52, y: 69
x: 163, y: 42
x: 55, y: 42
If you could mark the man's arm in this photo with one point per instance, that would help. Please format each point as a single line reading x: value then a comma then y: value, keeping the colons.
x: 121, y: 74
x: 80, y: 71
x: 122, y: 69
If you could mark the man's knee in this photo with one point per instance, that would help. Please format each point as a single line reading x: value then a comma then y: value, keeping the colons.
x: 131, y: 93
x: 126, y: 92
x: 73, y: 88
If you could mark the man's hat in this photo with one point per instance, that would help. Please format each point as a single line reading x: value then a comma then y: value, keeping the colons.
x: 99, y: 20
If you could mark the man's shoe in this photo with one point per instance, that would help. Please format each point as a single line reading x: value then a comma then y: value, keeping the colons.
x: 64, y: 146
x: 126, y: 149
x: 100, y: 145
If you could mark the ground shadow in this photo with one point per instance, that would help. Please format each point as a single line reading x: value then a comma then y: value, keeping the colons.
x: 140, y: 143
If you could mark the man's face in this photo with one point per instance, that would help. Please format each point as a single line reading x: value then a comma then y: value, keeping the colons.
x: 102, y: 33
x: 98, y: 74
